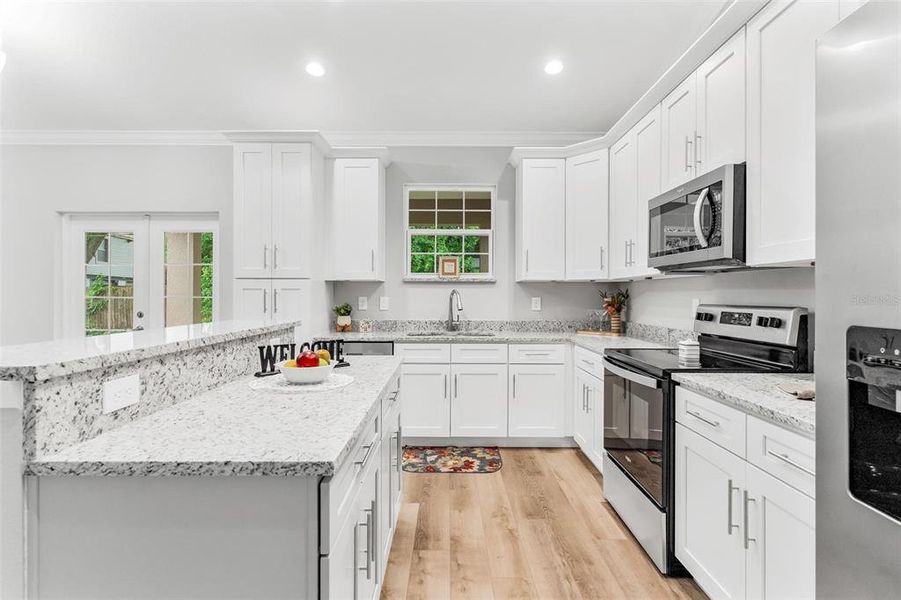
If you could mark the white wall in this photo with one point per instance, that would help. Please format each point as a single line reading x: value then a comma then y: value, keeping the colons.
x: 41, y: 181
x: 503, y: 300
x: 668, y: 302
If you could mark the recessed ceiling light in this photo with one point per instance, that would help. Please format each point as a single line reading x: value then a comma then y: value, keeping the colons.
x: 553, y: 67
x: 315, y: 69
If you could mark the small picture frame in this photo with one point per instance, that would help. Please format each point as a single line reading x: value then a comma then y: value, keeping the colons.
x: 449, y: 267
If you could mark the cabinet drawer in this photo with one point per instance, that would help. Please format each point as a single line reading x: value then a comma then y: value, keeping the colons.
x: 424, y: 353
x: 714, y: 420
x: 337, y: 493
x: 543, y: 354
x: 479, y: 353
x: 783, y: 454
x: 589, y: 361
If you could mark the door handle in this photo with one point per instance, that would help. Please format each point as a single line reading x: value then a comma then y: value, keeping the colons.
x: 264, y: 302
x: 265, y: 256
x: 784, y: 458
x: 527, y: 260
x: 275, y: 257
x: 445, y: 387
x: 602, y: 258
x: 274, y: 300
x: 587, y: 399
x: 746, y: 500
x: 456, y: 386
x: 514, y: 385
x: 626, y: 261
x: 697, y: 148
x: 700, y: 418
x: 699, y: 206
x: 688, y: 144
x: 729, y: 510
x: 372, y: 259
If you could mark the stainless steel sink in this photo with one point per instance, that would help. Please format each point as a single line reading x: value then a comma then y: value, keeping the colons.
x: 450, y: 334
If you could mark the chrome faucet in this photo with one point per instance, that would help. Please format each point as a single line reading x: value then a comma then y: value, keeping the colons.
x: 453, y: 320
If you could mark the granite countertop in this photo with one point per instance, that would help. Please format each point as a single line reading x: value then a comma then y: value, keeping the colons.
x: 595, y: 343
x: 757, y: 394
x: 234, y: 430
x: 45, y: 360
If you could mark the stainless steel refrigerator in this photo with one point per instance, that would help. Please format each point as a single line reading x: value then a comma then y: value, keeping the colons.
x: 858, y: 307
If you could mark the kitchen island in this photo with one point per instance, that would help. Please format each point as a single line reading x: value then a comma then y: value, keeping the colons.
x: 232, y: 492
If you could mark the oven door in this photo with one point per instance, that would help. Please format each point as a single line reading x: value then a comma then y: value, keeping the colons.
x: 633, y: 427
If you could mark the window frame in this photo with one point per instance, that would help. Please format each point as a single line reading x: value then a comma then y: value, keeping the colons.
x: 410, y: 232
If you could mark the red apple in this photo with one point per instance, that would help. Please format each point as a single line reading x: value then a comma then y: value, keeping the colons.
x: 308, y: 358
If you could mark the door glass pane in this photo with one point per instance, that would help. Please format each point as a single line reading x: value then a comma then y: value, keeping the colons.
x: 189, y: 272
x: 108, y: 282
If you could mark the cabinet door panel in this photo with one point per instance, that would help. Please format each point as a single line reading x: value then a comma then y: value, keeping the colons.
x: 479, y: 400
x: 536, y: 400
x: 291, y: 301
x: 678, y: 122
x: 252, y: 299
x: 709, y: 528
x: 357, y: 215
x: 721, y: 106
x: 425, y: 408
x: 782, y: 550
x: 586, y: 216
x: 648, y: 160
x: 622, y: 205
x: 596, y: 418
x: 252, y: 210
x: 542, y: 208
x: 583, y: 432
x: 781, y: 191
x: 291, y: 207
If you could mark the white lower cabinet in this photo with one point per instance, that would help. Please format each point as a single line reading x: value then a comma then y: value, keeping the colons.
x: 588, y: 416
x: 271, y: 299
x: 781, y: 559
x: 479, y: 400
x: 709, y: 527
x: 741, y: 531
x: 391, y: 475
x: 426, y: 400
x: 536, y: 400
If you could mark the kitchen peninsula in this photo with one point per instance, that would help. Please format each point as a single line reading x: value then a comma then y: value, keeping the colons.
x: 204, y: 488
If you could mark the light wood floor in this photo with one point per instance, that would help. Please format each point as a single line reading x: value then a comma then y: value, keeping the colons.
x: 539, y: 528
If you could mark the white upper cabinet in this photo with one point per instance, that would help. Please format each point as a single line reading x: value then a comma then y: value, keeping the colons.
x: 781, y: 130
x: 678, y: 116
x: 634, y: 180
x: 541, y: 220
x: 273, y: 192
x: 622, y: 205
x: 358, y: 220
x: 252, y: 209
x: 586, y: 216
x: 720, y: 83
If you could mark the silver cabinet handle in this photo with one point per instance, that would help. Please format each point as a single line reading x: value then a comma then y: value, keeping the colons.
x: 368, y: 525
x: 785, y: 458
x: 746, y: 500
x: 602, y: 258
x: 265, y: 256
x: 626, y: 261
x: 372, y: 259
x: 700, y: 418
x: 587, y: 399
x: 729, y: 510
x: 514, y: 385
x: 264, y: 302
x: 456, y: 386
x: 275, y: 257
x: 445, y: 387
x: 373, y: 516
x: 274, y: 301
x: 365, y: 456
x: 697, y: 148
x: 688, y: 144
x: 527, y: 260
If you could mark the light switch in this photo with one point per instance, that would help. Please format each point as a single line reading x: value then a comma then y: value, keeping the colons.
x: 362, y: 303
x: 121, y: 392
x: 536, y: 303
x: 383, y: 303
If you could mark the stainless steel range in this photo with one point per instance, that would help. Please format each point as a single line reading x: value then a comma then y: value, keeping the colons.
x: 639, y: 409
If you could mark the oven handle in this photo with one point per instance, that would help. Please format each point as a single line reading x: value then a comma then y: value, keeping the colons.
x: 699, y: 205
x: 632, y: 376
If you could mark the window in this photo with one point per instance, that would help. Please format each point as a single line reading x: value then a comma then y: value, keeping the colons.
x: 108, y: 282
x: 455, y: 221
x: 188, y: 264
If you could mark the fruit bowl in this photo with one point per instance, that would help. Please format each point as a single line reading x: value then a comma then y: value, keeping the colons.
x: 305, y: 375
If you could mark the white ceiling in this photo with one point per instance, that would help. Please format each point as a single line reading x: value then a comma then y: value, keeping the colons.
x: 391, y: 66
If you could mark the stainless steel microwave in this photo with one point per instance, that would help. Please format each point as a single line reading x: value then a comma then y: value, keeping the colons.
x: 700, y: 226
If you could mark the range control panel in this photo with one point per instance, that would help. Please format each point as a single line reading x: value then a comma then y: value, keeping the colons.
x: 777, y: 325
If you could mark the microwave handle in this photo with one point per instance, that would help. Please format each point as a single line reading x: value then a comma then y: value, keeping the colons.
x: 699, y: 205
x: 632, y: 376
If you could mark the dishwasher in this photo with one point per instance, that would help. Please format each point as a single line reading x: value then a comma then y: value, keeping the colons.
x: 365, y: 348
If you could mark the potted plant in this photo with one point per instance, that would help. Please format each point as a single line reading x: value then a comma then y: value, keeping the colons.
x: 343, y: 322
x: 615, y: 304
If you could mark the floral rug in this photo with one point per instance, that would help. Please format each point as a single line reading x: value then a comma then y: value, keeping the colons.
x: 451, y: 459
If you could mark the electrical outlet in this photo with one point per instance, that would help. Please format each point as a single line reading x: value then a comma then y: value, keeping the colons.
x: 121, y: 392
x: 362, y: 303
x: 536, y: 303
x: 383, y: 303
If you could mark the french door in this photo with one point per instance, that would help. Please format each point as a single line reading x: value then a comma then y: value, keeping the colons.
x: 131, y: 272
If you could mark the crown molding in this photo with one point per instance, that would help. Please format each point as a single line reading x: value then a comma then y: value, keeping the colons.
x: 380, y: 152
x: 457, y: 138
x: 730, y: 20
x: 266, y: 136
